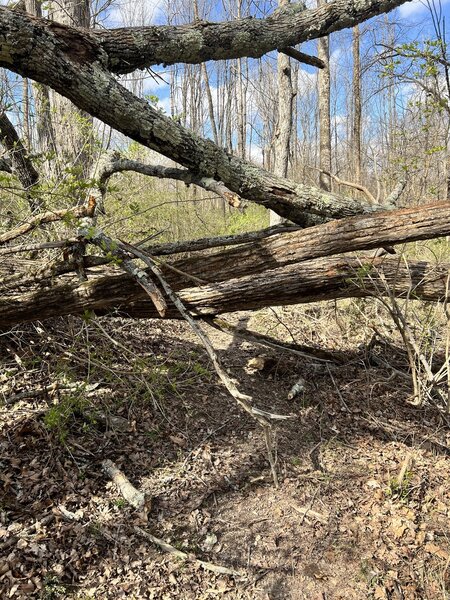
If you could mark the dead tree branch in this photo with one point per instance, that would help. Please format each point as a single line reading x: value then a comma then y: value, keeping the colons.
x: 129, y: 49
x: 128, y: 491
x: 20, y: 162
x: 114, y: 163
x: 307, y: 59
x: 47, y: 217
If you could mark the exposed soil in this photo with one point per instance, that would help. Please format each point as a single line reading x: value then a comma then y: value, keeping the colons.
x: 338, y: 526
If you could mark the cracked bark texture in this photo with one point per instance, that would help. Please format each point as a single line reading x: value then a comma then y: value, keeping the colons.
x: 320, y: 279
x: 323, y: 84
x: 292, y: 256
x: 44, y: 123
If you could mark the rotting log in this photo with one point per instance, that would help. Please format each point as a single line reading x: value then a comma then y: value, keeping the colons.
x: 362, y: 232
x: 313, y: 280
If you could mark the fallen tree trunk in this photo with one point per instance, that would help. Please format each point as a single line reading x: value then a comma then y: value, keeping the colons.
x: 363, y: 232
x: 335, y: 237
x: 313, y: 280
x: 259, y: 271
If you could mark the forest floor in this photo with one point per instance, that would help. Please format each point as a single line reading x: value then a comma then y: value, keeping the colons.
x: 339, y: 526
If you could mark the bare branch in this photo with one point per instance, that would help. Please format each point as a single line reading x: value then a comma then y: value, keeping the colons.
x: 351, y: 184
x: 394, y: 196
x: 114, y: 163
x: 116, y: 249
x: 136, y: 48
x: 47, y: 217
x: 38, y: 49
x: 307, y: 59
x: 220, y: 241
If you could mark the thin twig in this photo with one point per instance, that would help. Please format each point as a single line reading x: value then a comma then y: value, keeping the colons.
x: 218, y: 569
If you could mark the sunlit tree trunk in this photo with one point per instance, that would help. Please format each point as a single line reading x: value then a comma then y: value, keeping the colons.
x: 45, y: 133
x: 324, y: 112
x: 357, y: 108
x: 283, y: 131
x: 73, y: 127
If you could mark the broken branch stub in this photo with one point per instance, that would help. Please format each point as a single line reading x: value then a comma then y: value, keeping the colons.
x: 129, y: 492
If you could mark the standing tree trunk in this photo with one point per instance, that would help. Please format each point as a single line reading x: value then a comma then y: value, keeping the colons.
x: 205, y: 77
x: 357, y: 108
x: 26, y: 114
x: 73, y: 127
x: 324, y: 112
x: 45, y: 133
x: 283, y: 132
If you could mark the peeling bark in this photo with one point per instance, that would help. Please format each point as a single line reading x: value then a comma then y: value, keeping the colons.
x: 346, y: 235
x: 292, y: 256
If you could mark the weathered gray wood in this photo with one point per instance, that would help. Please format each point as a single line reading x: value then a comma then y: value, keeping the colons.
x: 118, y: 251
x: 47, y: 217
x: 115, y: 163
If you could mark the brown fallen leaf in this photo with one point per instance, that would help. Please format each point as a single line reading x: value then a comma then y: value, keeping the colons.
x: 179, y: 441
x: 433, y: 549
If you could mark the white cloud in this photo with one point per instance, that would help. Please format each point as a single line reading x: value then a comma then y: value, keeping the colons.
x: 410, y: 9
x: 155, y: 85
x: 255, y: 153
x: 165, y: 105
x: 415, y: 8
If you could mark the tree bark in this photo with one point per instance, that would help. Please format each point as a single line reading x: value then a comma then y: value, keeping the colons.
x: 295, y: 254
x: 346, y: 235
x: 72, y: 126
x: 324, y: 112
x: 129, y: 49
x: 44, y: 123
x: 320, y: 279
x: 283, y: 131
x: 357, y: 107
x: 21, y: 164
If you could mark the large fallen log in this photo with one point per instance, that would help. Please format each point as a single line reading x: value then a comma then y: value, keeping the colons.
x: 257, y: 270
x: 309, y: 281
x: 362, y: 232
